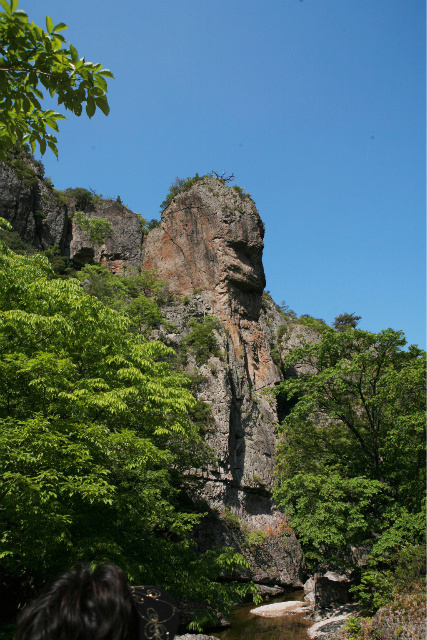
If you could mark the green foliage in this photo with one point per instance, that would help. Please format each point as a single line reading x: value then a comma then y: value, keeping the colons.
x: 346, y: 321
x: 82, y: 199
x: 353, y: 626
x: 62, y: 200
x: 201, y: 416
x: 146, y: 225
x: 287, y: 312
x: 153, y: 224
x: 13, y: 240
x: 61, y: 265
x: 98, y: 281
x: 95, y: 444
x: 281, y: 331
x: 255, y: 538
x: 318, y: 324
x: 139, y: 297
x: 231, y: 519
x: 351, y: 459
x: 241, y: 192
x: 275, y: 355
x: 30, y: 57
x: 179, y: 185
x: 201, y: 339
x: 98, y: 229
x: 27, y: 169
x: 403, y: 571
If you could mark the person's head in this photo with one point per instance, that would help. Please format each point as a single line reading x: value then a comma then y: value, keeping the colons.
x: 82, y: 604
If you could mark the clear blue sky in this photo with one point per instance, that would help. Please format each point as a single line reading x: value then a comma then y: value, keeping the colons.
x: 316, y: 106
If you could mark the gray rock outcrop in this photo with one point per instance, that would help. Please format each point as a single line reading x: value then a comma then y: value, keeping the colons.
x: 120, y: 251
x: 33, y: 209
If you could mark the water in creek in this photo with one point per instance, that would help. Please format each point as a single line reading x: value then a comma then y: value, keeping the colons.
x: 247, y: 626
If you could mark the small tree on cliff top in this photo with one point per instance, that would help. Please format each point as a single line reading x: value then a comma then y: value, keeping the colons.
x: 346, y: 321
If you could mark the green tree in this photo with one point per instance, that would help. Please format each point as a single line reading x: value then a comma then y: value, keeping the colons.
x: 346, y: 321
x: 351, y: 458
x: 31, y: 57
x: 98, y: 229
x: 96, y: 442
x: 201, y: 339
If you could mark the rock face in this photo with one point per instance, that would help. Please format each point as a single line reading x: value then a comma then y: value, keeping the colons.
x: 208, y: 249
x: 120, y: 252
x: 33, y: 209
x: 43, y: 218
x: 331, y: 590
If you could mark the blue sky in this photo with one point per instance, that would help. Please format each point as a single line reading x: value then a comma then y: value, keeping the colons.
x: 316, y: 106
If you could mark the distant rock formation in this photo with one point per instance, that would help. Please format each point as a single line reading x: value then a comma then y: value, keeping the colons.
x: 43, y: 218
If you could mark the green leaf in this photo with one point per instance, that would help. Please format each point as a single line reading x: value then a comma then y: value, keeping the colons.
x: 74, y: 54
x: 103, y: 105
x: 106, y: 72
x: 53, y: 148
x: 6, y: 6
x: 19, y: 13
x: 60, y: 27
x: 90, y: 106
x: 14, y: 4
x: 57, y: 43
x: 49, y: 24
x: 100, y: 82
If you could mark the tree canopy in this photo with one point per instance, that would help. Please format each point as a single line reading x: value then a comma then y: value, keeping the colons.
x: 31, y: 58
x: 96, y: 443
x: 351, y: 461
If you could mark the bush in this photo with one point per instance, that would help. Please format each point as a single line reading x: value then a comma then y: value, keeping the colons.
x: 13, y: 240
x: 98, y: 229
x: 26, y: 167
x: 255, y: 538
x: 179, y: 185
x: 62, y: 266
x: 83, y: 199
x: 201, y: 338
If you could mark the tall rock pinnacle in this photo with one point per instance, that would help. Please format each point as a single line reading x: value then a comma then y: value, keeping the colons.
x: 211, y: 240
x: 208, y: 249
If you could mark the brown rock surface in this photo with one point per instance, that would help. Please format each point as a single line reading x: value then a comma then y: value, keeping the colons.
x: 211, y: 239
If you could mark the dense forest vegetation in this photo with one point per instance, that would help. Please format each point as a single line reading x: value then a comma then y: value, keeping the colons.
x: 351, y: 458
x: 97, y: 437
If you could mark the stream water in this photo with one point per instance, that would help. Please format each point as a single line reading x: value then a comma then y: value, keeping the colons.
x: 247, y: 626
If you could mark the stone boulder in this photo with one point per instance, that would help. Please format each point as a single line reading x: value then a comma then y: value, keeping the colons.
x: 331, y: 590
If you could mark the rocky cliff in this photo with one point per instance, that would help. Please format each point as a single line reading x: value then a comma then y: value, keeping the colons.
x: 208, y: 249
x: 29, y: 203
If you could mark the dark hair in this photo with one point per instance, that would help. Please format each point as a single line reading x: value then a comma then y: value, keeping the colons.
x: 82, y: 604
